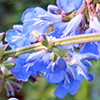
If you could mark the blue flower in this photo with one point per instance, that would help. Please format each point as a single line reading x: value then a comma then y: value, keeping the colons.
x: 74, y: 75
x: 55, y: 71
x: 81, y: 61
x: 21, y: 72
x: 25, y: 65
x: 63, y: 29
x: 16, y: 38
x: 69, y: 5
x: 38, y: 19
x: 70, y: 83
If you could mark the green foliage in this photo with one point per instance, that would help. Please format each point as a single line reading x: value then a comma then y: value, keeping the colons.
x: 11, y: 10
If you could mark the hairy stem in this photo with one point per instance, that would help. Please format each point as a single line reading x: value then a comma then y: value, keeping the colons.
x: 58, y: 42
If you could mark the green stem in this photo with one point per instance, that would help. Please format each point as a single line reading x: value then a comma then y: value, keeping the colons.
x: 78, y: 39
x: 58, y: 42
x: 22, y: 50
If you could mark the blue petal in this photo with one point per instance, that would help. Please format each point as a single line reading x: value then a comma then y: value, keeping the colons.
x: 27, y: 15
x: 35, y: 56
x: 60, y: 91
x: 31, y: 13
x: 34, y: 73
x: 38, y: 25
x: 46, y: 58
x: 86, y: 63
x: 55, y: 34
x: 24, y: 75
x: 18, y: 28
x: 90, y: 56
x: 82, y: 70
x: 40, y: 66
x: 69, y: 5
x: 12, y: 36
x: 90, y: 48
x: 53, y: 9
x: 21, y: 72
x: 90, y: 77
x: 70, y: 72
x: 16, y: 38
x: 51, y: 17
x: 55, y: 76
x: 77, y: 76
x: 60, y: 26
x: 60, y: 64
x: 74, y: 87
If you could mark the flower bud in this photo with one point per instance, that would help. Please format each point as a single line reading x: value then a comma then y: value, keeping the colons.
x: 16, y: 85
x: 9, y: 88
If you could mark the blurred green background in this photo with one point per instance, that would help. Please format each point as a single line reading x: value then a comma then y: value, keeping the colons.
x: 10, y: 13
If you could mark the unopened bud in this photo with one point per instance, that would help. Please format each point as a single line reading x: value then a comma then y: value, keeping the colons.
x: 16, y: 85
x: 9, y: 89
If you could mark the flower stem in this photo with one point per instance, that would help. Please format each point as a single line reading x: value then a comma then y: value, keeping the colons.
x: 77, y: 39
x: 58, y: 42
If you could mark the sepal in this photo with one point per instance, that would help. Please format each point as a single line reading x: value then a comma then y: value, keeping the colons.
x: 8, y: 64
x: 58, y: 51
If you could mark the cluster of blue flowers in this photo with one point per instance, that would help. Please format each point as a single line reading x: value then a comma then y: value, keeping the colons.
x: 66, y: 72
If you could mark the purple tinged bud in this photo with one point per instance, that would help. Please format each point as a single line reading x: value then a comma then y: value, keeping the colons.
x: 53, y: 9
x: 16, y: 85
x: 9, y: 89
